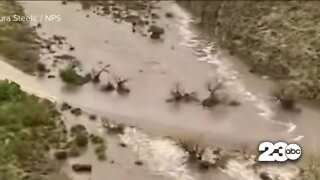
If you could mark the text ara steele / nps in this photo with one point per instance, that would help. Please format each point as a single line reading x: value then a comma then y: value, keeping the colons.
x: 30, y: 18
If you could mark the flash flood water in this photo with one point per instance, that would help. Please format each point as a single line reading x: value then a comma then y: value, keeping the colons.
x: 153, y: 69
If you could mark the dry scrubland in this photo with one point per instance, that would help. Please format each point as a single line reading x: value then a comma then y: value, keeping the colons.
x: 27, y: 137
x: 18, y: 41
x: 276, y: 38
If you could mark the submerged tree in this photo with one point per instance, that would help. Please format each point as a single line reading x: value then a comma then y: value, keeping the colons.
x: 96, y: 74
x: 156, y: 31
x: 213, y: 99
x: 287, y: 100
x: 121, y: 87
x: 108, y: 87
x: 178, y: 95
x: 194, y: 149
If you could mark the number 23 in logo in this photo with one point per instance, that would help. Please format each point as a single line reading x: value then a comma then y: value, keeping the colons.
x: 279, y: 151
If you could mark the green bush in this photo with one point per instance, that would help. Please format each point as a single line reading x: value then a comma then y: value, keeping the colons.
x: 81, y: 140
x: 100, y: 151
x: 8, y: 172
x: 9, y: 91
x: 61, y: 155
x: 27, y: 125
x: 102, y: 156
x: 78, y: 128
x: 70, y: 76
x: 80, y: 135
x: 95, y: 139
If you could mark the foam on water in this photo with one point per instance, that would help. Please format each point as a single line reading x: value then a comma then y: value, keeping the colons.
x: 163, y: 156
x: 241, y: 170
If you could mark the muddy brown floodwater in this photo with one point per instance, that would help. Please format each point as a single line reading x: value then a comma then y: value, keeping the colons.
x: 154, y: 67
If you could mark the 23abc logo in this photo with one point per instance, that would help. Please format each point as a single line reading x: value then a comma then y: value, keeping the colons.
x: 279, y: 151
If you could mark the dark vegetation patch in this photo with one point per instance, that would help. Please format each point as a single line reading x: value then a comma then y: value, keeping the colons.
x: 100, y: 146
x: 76, y: 111
x: 26, y: 137
x: 95, y: 139
x: 310, y: 171
x: 198, y: 155
x: 70, y: 76
x: 79, y: 140
x: 61, y: 155
x: 137, y: 13
x: 156, y: 31
x: 100, y: 151
x: 65, y: 106
x: 286, y: 98
x: 18, y: 41
x: 178, y: 95
x: 169, y: 15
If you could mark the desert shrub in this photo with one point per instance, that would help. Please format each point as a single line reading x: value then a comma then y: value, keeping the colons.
x: 81, y: 140
x: 76, y: 111
x: 9, y: 172
x: 61, y: 155
x: 27, y: 125
x: 95, y: 139
x: 169, y: 15
x: 70, y: 76
x: 9, y: 91
x: 78, y: 128
x: 102, y: 156
x: 41, y: 67
x: 65, y: 106
x: 156, y: 31
x: 80, y: 135
x: 100, y: 146
x: 194, y: 149
x: 100, y: 151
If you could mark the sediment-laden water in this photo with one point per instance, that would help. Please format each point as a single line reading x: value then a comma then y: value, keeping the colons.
x: 154, y: 68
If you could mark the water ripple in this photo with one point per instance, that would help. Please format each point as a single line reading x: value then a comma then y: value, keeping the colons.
x: 163, y: 156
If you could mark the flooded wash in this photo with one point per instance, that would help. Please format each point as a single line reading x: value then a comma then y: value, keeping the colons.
x: 153, y: 68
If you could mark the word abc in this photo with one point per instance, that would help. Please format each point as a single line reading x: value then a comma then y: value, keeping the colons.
x: 279, y: 152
